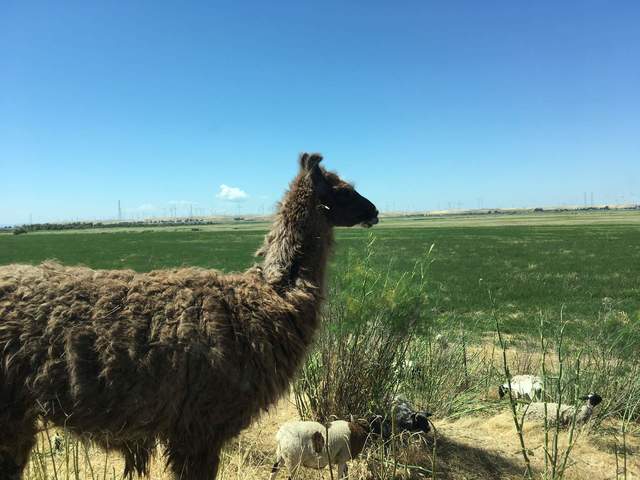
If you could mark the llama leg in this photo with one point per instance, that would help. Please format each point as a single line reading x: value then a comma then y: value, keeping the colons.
x: 136, y: 457
x: 16, y: 442
x: 194, y: 465
x: 343, y: 471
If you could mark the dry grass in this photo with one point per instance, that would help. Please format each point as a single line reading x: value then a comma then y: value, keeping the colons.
x: 480, y: 447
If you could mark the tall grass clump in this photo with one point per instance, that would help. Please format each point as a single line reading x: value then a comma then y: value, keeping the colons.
x: 447, y: 375
x: 58, y: 455
x: 368, y: 325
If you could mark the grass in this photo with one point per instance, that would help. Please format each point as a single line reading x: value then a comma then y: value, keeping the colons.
x: 529, y: 268
x: 583, y: 266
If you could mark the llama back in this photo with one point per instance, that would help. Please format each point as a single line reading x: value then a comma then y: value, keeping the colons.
x: 132, y: 345
x: 78, y: 338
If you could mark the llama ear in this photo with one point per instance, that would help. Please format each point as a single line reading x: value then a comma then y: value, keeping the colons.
x: 310, y: 165
x: 309, y: 161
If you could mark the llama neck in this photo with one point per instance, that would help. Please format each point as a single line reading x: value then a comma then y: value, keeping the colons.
x: 296, y: 249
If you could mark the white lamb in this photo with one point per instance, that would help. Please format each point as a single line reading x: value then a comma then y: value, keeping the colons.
x: 535, y: 410
x: 305, y: 444
x: 523, y: 386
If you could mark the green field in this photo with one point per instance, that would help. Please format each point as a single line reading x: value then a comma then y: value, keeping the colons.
x: 534, y: 266
x: 587, y: 263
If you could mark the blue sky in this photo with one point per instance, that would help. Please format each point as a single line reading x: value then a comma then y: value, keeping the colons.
x: 424, y: 104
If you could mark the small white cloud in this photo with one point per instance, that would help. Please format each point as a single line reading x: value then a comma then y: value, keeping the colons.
x: 231, y: 194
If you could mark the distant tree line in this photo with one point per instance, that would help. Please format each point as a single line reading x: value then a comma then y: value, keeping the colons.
x: 37, y: 227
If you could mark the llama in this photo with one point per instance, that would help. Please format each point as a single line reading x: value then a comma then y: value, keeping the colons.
x: 186, y: 357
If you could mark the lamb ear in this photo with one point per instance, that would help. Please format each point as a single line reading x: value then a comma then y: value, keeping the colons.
x: 309, y: 161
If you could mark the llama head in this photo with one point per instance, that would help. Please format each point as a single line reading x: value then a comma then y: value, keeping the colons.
x: 341, y: 204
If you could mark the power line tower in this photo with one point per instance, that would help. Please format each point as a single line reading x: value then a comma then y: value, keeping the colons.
x: 119, y: 211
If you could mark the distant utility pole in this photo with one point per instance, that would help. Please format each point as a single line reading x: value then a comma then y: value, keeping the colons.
x: 585, y: 199
x: 119, y: 211
x: 592, y: 199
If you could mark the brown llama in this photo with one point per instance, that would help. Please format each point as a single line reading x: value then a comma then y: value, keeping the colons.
x: 186, y: 358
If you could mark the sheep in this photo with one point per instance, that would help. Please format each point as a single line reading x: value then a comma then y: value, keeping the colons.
x: 304, y: 443
x: 186, y: 357
x: 535, y: 410
x: 406, y: 418
x: 523, y: 386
